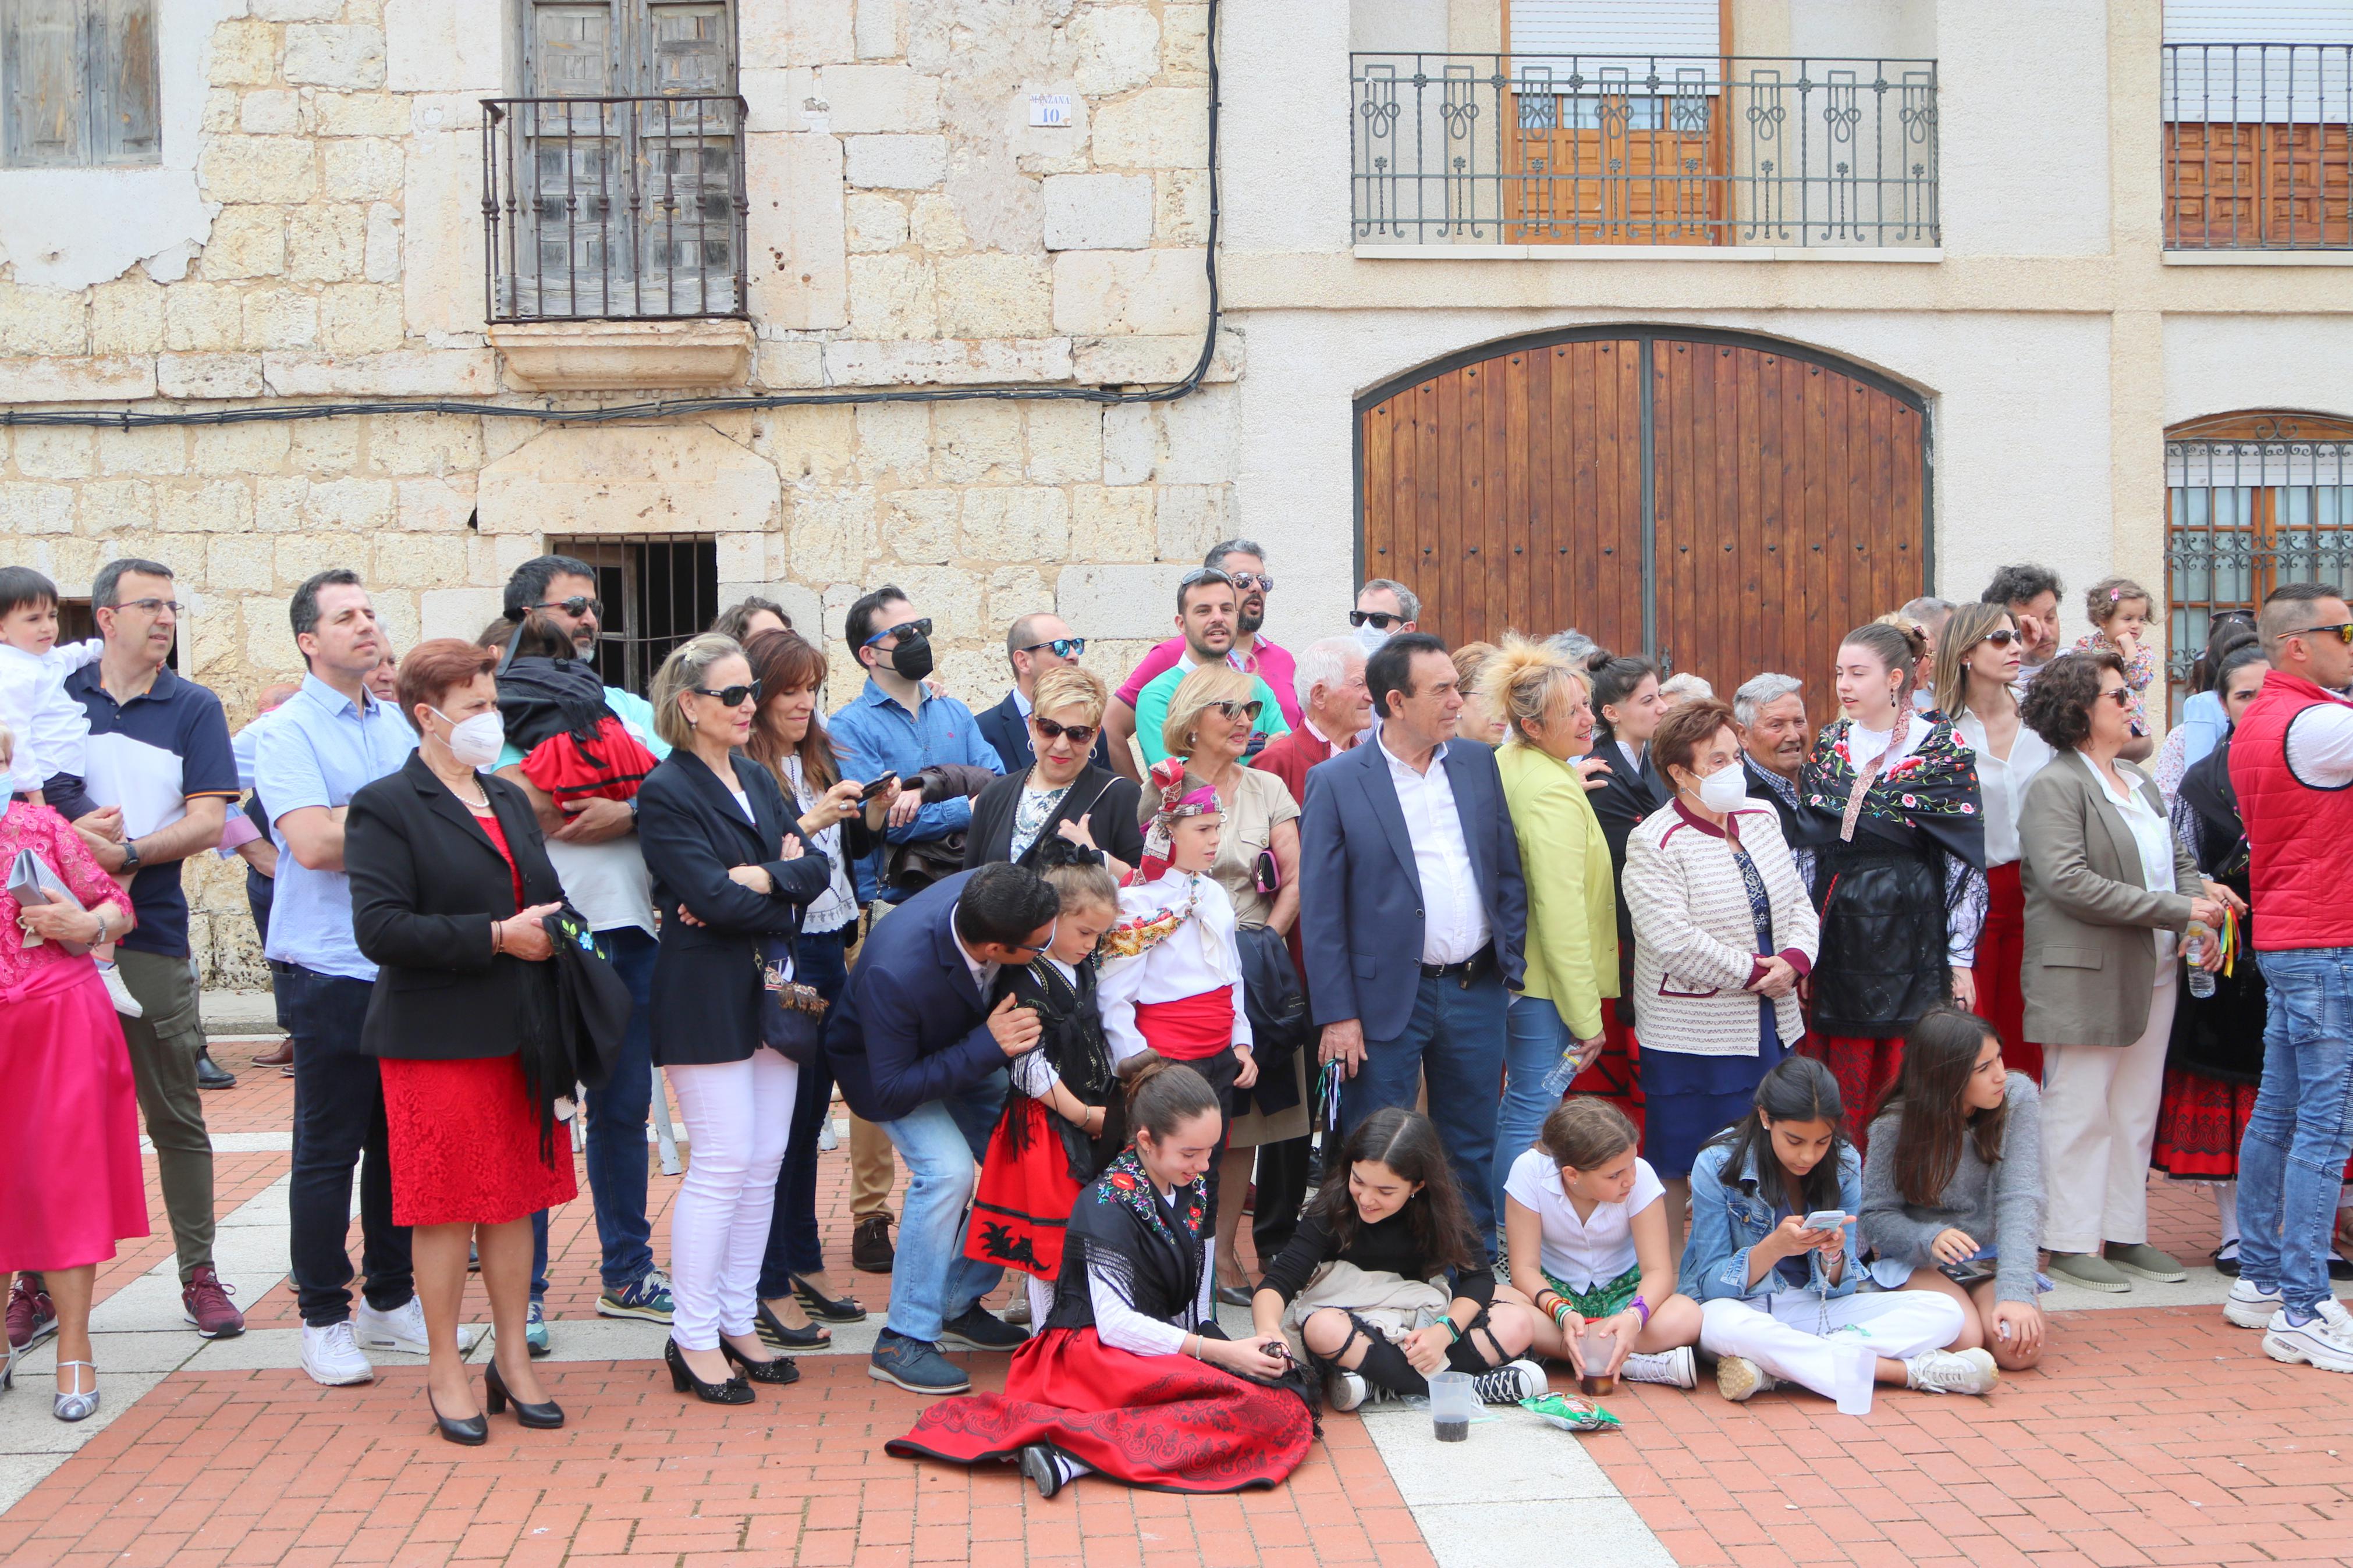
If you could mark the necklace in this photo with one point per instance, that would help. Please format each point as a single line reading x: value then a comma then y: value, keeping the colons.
x: 482, y: 803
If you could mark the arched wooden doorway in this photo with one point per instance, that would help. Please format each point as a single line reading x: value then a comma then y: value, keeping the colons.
x: 1726, y: 503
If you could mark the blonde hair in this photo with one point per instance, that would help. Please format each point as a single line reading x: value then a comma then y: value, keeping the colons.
x: 1203, y: 687
x: 682, y: 671
x: 1081, y: 885
x: 1068, y: 685
x: 1966, y: 628
x: 1522, y: 682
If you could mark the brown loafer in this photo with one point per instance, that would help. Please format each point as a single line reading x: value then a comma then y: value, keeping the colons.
x: 283, y: 1057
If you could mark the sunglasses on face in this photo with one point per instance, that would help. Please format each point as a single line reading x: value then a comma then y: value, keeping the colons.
x: 2344, y: 632
x: 1064, y: 647
x: 730, y: 696
x: 1247, y: 711
x: 1079, y: 734
x: 2117, y: 695
x: 578, y: 605
x: 921, y: 628
x: 1247, y: 580
x: 2001, y: 638
x: 1381, y: 619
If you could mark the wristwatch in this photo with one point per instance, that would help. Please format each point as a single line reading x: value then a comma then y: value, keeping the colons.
x: 130, y: 854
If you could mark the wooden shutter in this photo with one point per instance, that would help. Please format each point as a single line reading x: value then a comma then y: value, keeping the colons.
x: 80, y: 83
x: 125, y: 119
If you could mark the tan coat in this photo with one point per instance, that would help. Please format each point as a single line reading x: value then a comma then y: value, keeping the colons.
x: 2091, y: 962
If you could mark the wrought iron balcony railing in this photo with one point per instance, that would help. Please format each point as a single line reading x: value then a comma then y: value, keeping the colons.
x: 2255, y: 146
x: 1643, y: 150
x: 613, y: 208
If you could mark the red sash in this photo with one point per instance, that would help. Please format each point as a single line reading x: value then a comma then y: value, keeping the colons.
x: 1188, y: 1030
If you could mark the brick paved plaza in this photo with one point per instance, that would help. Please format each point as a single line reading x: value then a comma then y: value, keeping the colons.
x: 2154, y: 1433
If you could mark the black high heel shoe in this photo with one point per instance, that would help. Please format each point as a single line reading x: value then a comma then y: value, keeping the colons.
x: 471, y: 1432
x: 544, y: 1416
x: 780, y: 1370
x: 774, y: 1334
x: 734, y: 1391
x: 831, y: 1308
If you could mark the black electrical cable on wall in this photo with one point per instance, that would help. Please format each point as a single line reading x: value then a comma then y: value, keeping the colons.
x: 127, y: 419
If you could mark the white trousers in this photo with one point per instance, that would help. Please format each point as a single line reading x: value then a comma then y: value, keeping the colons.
x: 739, y: 1118
x: 2099, y: 1119
x: 1781, y: 1333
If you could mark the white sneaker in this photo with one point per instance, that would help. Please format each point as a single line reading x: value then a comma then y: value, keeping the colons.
x: 1675, y: 1368
x: 2318, y: 1341
x: 1511, y: 1382
x: 1342, y: 1389
x: 119, y: 994
x: 1953, y: 1372
x: 402, y: 1329
x: 1737, y: 1377
x: 826, y: 1139
x: 2248, y: 1305
x: 2332, y: 1308
x: 333, y: 1357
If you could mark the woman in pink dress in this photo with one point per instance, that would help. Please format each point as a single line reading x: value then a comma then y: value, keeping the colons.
x: 69, y: 1105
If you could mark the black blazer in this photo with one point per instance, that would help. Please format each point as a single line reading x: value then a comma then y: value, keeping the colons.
x: 1108, y: 800
x: 426, y: 883
x: 1630, y: 796
x: 1004, y: 728
x: 706, y: 991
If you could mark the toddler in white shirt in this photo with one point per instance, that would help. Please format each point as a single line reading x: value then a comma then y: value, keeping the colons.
x: 50, y: 727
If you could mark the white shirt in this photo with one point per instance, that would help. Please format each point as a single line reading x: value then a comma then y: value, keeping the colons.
x: 1199, y: 956
x: 51, y: 729
x: 1633, y: 755
x: 1863, y: 745
x: 2153, y: 834
x: 838, y: 905
x: 1581, y: 1253
x: 2320, y: 745
x: 1454, y: 922
x: 2002, y: 785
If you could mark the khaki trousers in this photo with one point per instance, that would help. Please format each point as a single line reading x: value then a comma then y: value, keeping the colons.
x: 164, y: 1048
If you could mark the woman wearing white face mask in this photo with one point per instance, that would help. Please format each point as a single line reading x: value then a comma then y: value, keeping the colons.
x: 450, y: 882
x: 1723, y: 933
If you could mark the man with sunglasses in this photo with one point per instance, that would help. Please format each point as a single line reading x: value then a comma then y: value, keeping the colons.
x: 1384, y: 609
x: 1033, y: 645
x: 1244, y: 561
x: 1208, y: 608
x: 2291, y: 766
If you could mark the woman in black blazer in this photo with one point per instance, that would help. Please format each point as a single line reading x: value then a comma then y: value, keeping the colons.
x: 1063, y: 785
x: 729, y: 869
x: 450, y: 882
x: 1627, y: 702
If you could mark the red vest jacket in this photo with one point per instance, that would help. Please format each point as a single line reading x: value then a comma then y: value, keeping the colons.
x: 2297, y: 833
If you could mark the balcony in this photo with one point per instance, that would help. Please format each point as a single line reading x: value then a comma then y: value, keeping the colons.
x: 2255, y: 146
x: 1702, y: 151
x: 613, y: 234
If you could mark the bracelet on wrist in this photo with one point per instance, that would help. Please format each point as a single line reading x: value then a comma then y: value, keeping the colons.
x: 1643, y: 1307
x: 1453, y: 1334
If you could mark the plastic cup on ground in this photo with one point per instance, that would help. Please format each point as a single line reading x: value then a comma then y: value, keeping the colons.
x: 1453, y: 1400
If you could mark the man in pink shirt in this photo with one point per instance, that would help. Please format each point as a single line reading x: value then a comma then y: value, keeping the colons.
x: 1244, y: 561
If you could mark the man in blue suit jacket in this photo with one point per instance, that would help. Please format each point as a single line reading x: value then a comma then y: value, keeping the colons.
x: 1033, y: 645
x: 918, y: 1052
x: 1413, y: 914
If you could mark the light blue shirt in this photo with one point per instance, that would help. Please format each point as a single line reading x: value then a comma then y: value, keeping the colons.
x: 320, y: 749
x: 874, y: 732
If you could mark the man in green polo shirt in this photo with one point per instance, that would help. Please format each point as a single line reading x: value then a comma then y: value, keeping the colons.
x: 1207, y: 609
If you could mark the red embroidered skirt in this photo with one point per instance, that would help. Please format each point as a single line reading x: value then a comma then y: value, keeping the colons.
x: 1190, y: 1030
x: 1022, y: 1205
x: 2001, y: 959
x: 1165, y: 1422
x: 2200, y: 1122
x: 1865, y: 1070
x: 1616, y: 1073
x: 465, y: 1143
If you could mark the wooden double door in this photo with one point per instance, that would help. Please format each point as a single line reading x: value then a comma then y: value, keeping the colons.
x: 1726, y: 504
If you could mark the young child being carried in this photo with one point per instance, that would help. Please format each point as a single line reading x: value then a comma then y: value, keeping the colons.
x: 50, y: 727
x: 2119, y: 611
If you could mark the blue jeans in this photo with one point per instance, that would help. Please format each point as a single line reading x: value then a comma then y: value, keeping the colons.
x: 794, y: 1244
x: 617, y: 1122
x: 941, y: 1141
x: 1455, y: 1040
x: 338, y: 1118
x: 1534, y: 1039
x: 2292, y: 1160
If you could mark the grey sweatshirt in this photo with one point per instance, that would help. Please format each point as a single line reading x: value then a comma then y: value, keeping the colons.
x: 1999, y: 1205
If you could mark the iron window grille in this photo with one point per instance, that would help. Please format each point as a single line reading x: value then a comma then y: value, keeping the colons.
x: 659, y: 591
x: 2255, y: 146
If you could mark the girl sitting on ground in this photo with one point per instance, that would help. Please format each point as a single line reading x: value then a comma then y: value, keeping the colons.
x: 1774, y: 1291
x: 1360, y: 1285
x: 1585, y: 1222
x: 1954, y: 1183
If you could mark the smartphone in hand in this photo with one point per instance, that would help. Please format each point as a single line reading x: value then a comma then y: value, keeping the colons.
x: 878, y: 786
x: 1825, y: 1219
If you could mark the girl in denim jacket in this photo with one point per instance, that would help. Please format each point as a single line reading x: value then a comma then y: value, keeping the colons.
x: 1777, y: 1301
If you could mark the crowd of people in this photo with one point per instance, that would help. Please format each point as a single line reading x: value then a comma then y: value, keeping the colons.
x: 1535, y: 1004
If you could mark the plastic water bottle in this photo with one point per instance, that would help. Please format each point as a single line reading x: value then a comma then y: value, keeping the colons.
x: 2202, y: 979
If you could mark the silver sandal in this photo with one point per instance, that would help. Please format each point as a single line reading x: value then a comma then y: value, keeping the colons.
x: 77, y: 1406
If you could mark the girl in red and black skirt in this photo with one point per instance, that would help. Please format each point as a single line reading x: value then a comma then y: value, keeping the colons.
x: 1065, y: 1123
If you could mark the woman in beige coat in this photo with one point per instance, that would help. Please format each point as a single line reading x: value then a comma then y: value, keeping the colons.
x: 2108, y: 888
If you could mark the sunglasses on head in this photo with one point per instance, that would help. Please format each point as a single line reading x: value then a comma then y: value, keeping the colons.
x: 730, y: 696
x: 1245, y: 711
x: 921, y: 629
x: 578, y: 605
x: 1381, y: 619
x: 1206, y: 574
x: 1064, y: 647
x: 2344, y: 632
x: 1079, y: 734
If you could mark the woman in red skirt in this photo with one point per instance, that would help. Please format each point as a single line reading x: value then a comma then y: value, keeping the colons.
x: 450, y: 882
x: 69, y: 1106
x: 1130, y: 1377
x: 1977, y: 671
x: 1064, y: 1125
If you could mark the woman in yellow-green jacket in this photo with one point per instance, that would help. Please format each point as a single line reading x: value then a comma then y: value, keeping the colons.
x: 1572, y: 946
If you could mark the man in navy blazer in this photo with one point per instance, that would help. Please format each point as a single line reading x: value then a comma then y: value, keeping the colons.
x: 1033, y: 645
x: 917, y: 1051
x: 1413, y: 914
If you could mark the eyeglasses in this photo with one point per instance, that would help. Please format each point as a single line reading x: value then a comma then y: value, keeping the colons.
x: 152, y: 606
x: 2344, y: 632
x: 921, y: 628
x: 2117, y: 695
x: 1381, y: 619
x: 1079, y: 734
x: 1247, y: 580
x: 730, y: 696
x: 578, y: 605
x: 1035, y: 946
x: 1243, y: 710
x: 1064, y: 647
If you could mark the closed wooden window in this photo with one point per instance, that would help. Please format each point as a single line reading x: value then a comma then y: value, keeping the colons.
x: 78, y: 84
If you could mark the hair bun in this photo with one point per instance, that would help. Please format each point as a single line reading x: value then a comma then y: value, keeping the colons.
x: 1055, y: 850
